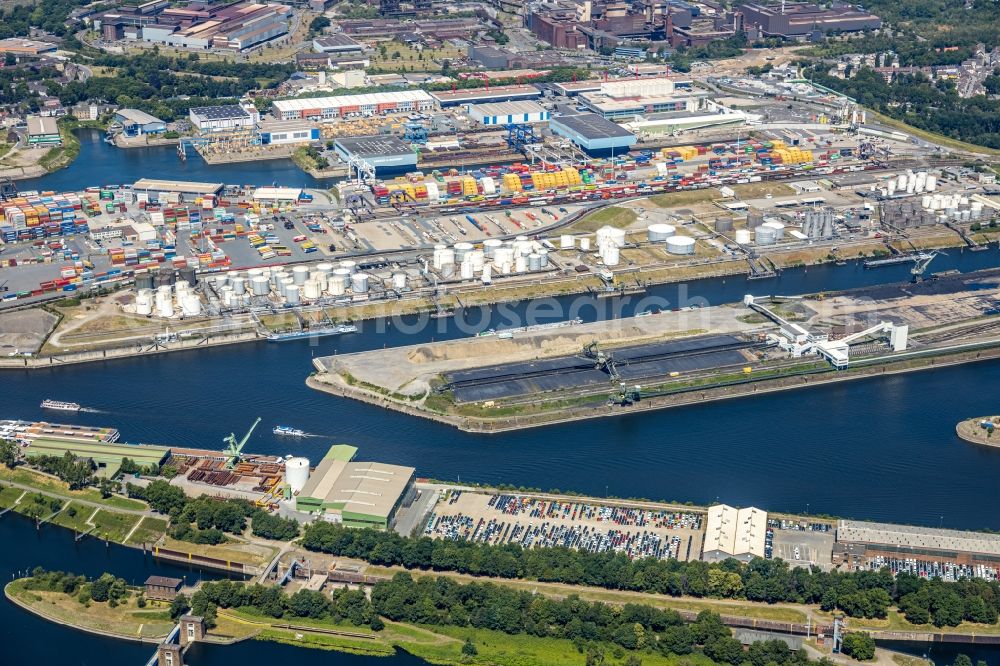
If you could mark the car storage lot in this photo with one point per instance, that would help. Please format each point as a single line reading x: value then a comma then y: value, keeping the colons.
x: 587, y: 525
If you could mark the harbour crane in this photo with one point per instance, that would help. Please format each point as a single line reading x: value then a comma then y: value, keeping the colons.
x: 233, y: 448
x: 604, y: 362
x: 920, y: 264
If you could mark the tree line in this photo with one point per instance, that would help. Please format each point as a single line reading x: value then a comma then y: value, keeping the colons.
x: 866, y: 594
x: 208, y: 519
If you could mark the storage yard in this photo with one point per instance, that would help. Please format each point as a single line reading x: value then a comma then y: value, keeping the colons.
x: 538, y: 375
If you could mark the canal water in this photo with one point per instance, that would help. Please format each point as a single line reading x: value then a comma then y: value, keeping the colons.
x: 881, y: 448
x: 100, y: 163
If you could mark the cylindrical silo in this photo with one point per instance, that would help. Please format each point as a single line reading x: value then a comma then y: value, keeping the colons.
x: 300, y: 274
x: 764, y: 235
x: 322, y: 271
x: 144, y: 302
x: 743, y: 236
x: 585, y: 244
x: 296, y: 473
x: 239, y: 286
x: 566, y: 242
x: 350, y: 265
x: 359, y: 283
x: 487, y: 273
x: 399, y: 281
x: 260, y: 285
x: 191, y: 305
x: 312, y: 290
x: 779, y: 229
x: 335, y: 286
x: 477, y: 258
x: 534, y: 262
x: 490, y: 246
x: 611, y: 255
x: 465, y: 270
x: 657, y: 233
x: 292, y: 294
x: 611, y: 234
x: 461, y: 250
x: 188, y: 275
x: 680, y: 245
x: 723, y: 224
x: 543, y: 257
x: 520, y: 264
x: 285, y: 285
x: 143, y: 280
x: 343, y: 275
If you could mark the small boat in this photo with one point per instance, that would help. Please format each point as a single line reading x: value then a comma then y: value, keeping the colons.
x: 288, y: 431
x: 61, y: 406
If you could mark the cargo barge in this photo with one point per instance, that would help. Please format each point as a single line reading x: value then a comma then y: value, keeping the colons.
x: 312, y: 333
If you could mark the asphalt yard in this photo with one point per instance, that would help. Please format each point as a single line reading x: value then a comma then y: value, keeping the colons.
x: 586, y: 525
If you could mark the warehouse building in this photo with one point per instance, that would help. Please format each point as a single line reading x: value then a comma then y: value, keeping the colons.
x: 344, y: 106
x: 386, y: 154
x: 231, y: 27
x: 218, y: 118
x: 43, y: 131
x: 107, y: 457
x: 165, y: 188
x: 287, y: 132
x: 357, y: 494
x: 736, y: 533
x: 593, y: 133
x: 507, y: 113
x: 25, y: 47
x: 338, y: 43
x: 482, y: 95
x: 139, y: 123
x: 798, y: 20
x: 859, y: 541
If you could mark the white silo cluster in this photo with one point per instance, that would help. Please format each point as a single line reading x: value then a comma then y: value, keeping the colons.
x: 168, y: 301
x: 610, y: 241
x: 909, y: 183
x: 497, y: 257
x: 291, y: 285
x: 953, y: 207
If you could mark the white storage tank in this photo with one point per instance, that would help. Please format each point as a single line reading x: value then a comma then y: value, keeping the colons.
x: 191, y: 305
x: 165, y: 307
x: 260, y: 285
x: 443, y: 257
x: 466, y: 272
x: 680, y: 245
x: 478, y: 259
x: 611, y: 234
x: 503, y: 255
x: 312, y: 290
x: 743, y: 236
x: 144, y: 302
x: 779, y: 229
x: 490, y: 246
x: 335, y: 286
x: 931, y: 184
x: 239, y: 286
x: 296, y: 473
x: 342, y: 275
x: 300, y: 274
x: 657, y: 233
x: 764, y: 235
x: 611, y: 256
x: 322, y: 271
x: 520, y: 264
x: 585, y: 244
x: 534, y: 262
x: 285, y: 285
x: 487, y: 273
x: 462, y: 250
x: 359, y: 283
x: 350, y: 265
x: 399, y: 281
x: 543, y: 256
x: 292, y: 294
x: 566, y: 242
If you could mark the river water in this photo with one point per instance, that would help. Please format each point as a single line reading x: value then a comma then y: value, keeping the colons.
x: 881, y: 448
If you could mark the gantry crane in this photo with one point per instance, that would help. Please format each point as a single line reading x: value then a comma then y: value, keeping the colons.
x: 233, y: 448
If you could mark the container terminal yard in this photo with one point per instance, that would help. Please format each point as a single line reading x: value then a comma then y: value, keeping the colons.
x: 285, y: 260
x: 659, y: 358
x: 370, y: 494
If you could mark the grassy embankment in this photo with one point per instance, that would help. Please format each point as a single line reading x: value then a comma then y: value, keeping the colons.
x: 62, y: 156
x: 931, y: 137
x: 85, y: 511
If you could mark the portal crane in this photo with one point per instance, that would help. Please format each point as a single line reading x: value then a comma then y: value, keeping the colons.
x: 233, y: 448
x: 604, y: 362
x: 921, y: 263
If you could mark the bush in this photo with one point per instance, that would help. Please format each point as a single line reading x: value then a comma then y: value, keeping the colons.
x: 859, y: 646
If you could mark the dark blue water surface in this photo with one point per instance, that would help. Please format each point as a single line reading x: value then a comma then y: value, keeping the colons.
x: 881, y: 448
x: 100, y: 163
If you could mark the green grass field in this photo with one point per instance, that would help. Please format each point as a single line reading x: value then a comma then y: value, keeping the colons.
x: 8, y: 496
x: 673, y: 199
x: 612, y: 216
x: 77, y: 522
x: 114, y: 526
x: 149, y: 531
x: 55, y: 487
